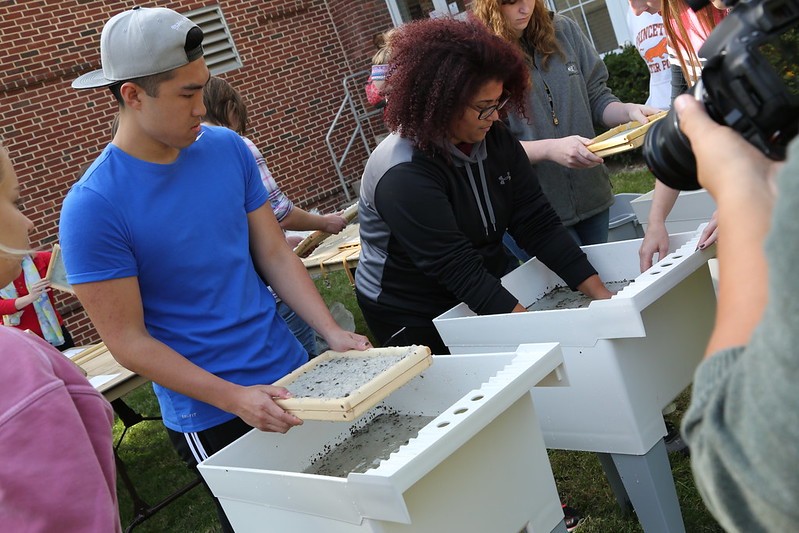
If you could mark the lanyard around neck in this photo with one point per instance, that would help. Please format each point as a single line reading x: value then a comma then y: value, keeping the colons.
x: 549, y: 93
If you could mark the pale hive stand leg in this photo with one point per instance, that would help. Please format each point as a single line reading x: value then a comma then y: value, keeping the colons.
x: 616, y: 484
x: 650, y: 487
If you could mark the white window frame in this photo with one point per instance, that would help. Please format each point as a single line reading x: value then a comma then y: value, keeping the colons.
x: 442, y: 6
x: 617, y: 12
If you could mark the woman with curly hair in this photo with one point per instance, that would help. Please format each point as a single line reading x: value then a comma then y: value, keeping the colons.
x: 569, y: 100
x: 440, y: 191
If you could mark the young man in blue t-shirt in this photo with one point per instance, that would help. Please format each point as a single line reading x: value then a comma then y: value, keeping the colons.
x: 168, y: 238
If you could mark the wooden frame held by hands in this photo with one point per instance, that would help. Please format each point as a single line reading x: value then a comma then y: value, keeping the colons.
x: 624, y: 137
x: 364, y: 394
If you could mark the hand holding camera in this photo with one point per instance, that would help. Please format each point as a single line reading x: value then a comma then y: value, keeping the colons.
x: 727, y: 163
x: 750, y: 83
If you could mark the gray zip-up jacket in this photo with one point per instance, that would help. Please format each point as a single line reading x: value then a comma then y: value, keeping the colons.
x: 575, y: 90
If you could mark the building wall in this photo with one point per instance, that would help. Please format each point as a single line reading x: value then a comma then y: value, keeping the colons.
x: 295, y: 55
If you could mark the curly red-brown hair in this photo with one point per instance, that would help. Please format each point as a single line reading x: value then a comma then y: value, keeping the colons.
x: 437, y: 66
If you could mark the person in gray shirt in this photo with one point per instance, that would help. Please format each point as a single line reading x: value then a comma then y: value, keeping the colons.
x: 741, y: 424
x: 568, y: 101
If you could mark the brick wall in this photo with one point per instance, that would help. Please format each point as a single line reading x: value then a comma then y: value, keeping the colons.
x: 295, y: 55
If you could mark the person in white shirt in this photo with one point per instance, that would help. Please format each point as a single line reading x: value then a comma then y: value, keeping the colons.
x: 649, y: 38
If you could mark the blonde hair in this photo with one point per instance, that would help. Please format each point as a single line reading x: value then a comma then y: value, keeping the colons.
x: 677, y: 33
x: 383, y: 53
x: 5, y: 250
x: 538, y: 36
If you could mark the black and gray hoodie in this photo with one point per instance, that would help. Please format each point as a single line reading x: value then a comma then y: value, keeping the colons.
x: 431, y: 228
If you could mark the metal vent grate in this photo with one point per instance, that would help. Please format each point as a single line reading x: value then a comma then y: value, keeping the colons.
x: 220, y: 51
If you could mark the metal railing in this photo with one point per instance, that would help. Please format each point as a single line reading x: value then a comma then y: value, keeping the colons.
x: 359, y: 114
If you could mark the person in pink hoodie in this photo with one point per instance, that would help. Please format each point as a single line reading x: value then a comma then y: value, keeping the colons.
x: 58, y: 471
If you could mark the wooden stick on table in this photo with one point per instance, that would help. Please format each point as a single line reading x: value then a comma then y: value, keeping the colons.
x: 90, y: 353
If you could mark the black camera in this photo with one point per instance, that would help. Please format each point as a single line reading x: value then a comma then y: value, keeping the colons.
x: 750, y: 82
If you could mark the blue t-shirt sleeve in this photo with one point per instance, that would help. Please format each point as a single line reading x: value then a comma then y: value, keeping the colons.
x: 97, y: 255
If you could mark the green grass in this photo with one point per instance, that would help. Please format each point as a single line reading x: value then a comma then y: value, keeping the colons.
x: 636, y: 181
x: 335, y: 287
x: 157, y: 471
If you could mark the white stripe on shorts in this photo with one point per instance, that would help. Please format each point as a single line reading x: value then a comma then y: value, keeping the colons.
x: 196, y: 447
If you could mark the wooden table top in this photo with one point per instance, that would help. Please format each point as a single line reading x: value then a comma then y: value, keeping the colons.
x: 336, y: 252
x: 96, y: 361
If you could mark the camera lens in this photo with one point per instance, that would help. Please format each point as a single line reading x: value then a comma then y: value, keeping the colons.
x: 668, y: 154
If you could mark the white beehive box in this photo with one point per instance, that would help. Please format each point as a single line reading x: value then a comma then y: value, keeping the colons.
x: 691, y: 209
x: 627, y: 357
x: 484, y: 446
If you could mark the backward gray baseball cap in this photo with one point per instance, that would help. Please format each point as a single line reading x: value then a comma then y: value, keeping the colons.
x: 141, y: 42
